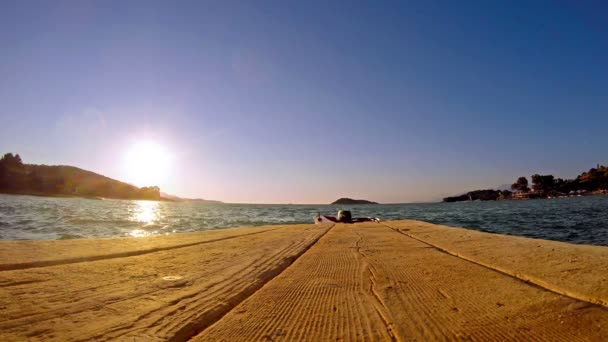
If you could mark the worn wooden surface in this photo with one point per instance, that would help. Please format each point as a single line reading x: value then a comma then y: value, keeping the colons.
x: 395, y: 280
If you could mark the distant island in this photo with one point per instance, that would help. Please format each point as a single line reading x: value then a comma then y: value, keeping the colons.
x: 345, y: 200
x: 594, y: 181
x: 181, y: 199
x: 68, y: 181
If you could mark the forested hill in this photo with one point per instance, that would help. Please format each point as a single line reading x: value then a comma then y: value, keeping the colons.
x: 19, y: 178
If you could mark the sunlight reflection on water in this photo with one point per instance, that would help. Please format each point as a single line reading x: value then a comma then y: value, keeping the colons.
x: 148, y: 213
x: 141, y: 233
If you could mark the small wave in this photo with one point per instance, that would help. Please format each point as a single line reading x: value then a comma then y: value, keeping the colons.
x: 152, y: 226
x: 70, y: 237
x: 85, y: 221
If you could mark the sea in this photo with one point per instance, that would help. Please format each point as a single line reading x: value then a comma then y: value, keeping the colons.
x: 581, y: 220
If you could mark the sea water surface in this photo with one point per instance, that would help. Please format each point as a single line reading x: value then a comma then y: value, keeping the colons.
x: 576, y: 220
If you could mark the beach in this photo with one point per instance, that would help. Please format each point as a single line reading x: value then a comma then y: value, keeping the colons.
x: 393, y: 280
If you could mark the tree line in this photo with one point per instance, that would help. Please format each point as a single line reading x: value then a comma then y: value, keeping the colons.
x: 596, y: 179
x: 593, y: 180
x: 19, y: 178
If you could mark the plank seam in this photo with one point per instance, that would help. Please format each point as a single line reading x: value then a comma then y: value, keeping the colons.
x: 193, y: 329
x: 75, y: 260
x: 516, y: 275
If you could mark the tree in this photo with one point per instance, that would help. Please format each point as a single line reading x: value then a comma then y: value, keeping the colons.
x: 594, y: 179
x: 520, y: 185
x: 12, y: 172
x: 11, y: 162
x: 543, y: 183
x: 151, y: 192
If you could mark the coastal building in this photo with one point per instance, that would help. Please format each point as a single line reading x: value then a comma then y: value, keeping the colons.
x: 520, y: 195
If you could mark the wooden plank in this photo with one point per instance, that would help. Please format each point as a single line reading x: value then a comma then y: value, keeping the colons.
x: 27, y: 254
x: 579, y: 271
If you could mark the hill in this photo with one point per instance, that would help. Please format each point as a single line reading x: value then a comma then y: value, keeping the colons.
x: 61, y: 180
x: 345, y: 200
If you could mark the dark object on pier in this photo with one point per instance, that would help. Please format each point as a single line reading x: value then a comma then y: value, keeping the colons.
x: 344, y: 216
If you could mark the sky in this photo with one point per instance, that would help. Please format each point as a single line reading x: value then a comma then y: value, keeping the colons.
x: 307, y: 101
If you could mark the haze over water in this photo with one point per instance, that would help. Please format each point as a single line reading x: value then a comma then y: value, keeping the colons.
x: 577, y: 220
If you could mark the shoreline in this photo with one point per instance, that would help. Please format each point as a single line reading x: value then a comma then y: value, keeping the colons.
x: 238, y: 283
x: 96, y: 198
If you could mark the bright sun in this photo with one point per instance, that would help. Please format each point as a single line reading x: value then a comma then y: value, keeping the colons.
x: 147, y: 163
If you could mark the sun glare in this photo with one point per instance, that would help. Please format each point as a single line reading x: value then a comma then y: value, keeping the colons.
x: 147, y: 163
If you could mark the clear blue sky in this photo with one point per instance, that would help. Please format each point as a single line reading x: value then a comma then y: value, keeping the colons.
x: 304, y: 102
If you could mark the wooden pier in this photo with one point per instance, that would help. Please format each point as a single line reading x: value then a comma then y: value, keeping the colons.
x: 393, y: 280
